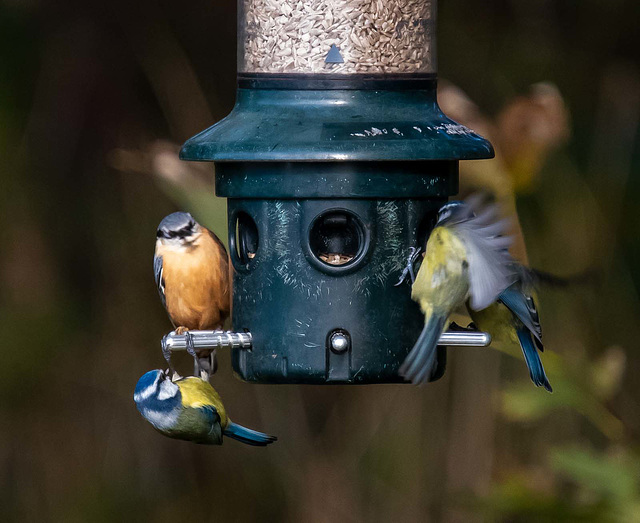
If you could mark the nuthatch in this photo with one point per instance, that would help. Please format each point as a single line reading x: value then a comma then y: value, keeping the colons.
x: 466, y: 258
x: 190, y: 409
x: 191, y: 268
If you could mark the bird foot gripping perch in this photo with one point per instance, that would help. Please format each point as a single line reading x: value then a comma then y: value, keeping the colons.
x: 204, y: 340
x: 189, y: 408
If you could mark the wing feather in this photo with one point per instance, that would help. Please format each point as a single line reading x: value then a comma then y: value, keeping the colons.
x: 157, y: 272
x: 524, y: 308
x: 491, y: 267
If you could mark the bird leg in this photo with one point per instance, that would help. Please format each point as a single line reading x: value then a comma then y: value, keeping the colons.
x: 166, y: 353
x: 192, y: 352
x: 408, y: 272
x: 208, y: 363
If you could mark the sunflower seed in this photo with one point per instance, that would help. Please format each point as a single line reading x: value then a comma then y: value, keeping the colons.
x: 373, y: 36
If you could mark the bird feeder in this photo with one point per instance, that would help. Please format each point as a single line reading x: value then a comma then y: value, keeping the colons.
x: 334, y: 162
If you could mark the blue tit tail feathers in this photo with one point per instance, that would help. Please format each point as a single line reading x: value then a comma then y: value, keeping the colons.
x: 248, y: 436
x: 419, y: 365
x: 531, y: 356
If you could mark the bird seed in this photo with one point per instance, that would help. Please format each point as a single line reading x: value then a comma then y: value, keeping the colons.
x: 372, y: 36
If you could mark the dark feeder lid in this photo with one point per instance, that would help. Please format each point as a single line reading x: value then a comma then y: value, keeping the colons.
x: 312, y: 118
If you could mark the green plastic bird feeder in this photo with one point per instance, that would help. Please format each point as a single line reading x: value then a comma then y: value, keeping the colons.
x: 334, y: 161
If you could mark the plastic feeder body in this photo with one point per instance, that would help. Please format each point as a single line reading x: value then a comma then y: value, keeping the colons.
x: 334, y: 161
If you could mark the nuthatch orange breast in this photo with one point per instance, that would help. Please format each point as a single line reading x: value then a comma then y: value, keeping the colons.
x: 191, y: 268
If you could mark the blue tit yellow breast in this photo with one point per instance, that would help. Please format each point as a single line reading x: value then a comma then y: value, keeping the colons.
x: 197, y: 393
x: 500, y: 322
x: 442, y: 282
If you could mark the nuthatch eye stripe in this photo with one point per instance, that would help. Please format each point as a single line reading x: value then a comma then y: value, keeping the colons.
x: 176, y: 225
x: 181, y: 233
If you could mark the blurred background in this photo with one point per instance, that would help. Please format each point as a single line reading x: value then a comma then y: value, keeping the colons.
x: 95, y: 98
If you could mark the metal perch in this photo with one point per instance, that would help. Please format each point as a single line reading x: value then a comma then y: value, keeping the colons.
x: 243, y: 340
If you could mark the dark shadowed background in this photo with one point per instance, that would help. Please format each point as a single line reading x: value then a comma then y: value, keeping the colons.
x: 94, y: 98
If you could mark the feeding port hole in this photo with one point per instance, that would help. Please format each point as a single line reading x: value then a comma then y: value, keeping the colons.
x: 336, y: 238
x: 246, y: 238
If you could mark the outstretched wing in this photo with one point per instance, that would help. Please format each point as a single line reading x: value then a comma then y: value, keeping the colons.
x: 491, y: 267
x: 157, y: 272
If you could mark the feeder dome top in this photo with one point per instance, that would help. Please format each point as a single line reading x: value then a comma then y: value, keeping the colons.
x: 336, y: 125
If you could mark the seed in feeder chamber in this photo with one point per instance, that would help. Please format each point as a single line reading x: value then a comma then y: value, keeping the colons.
x: 335, y: 258
x: 336, y: 237
x: 373, y: 36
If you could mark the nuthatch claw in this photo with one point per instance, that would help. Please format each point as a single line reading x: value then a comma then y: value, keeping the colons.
x: 192, y: 352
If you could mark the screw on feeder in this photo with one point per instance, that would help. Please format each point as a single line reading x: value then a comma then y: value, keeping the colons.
x: 340, y: 341
x: 334, y: 162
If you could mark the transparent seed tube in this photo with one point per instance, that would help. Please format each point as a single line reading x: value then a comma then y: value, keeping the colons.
x: 336, y: 36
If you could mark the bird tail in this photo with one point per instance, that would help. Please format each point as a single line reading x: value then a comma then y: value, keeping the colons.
x: 531, y: 356
x: 419, y: 365
x: 248, y: 436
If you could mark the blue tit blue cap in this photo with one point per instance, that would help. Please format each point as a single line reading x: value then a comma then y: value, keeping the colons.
x: 148, y: 381
x: 454, y: 209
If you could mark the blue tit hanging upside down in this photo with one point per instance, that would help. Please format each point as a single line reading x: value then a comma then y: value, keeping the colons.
x: 466, y: 259
x: 191, y: 268
x: 190, y: 409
